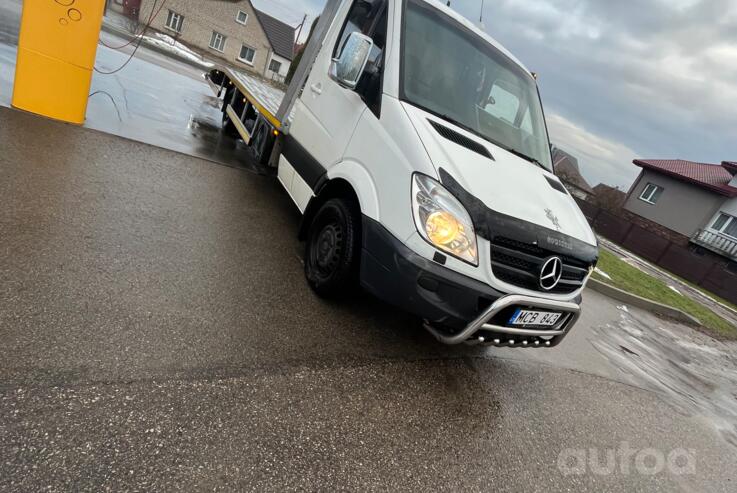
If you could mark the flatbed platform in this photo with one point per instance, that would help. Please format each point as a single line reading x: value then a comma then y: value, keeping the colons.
x: 264, y: 96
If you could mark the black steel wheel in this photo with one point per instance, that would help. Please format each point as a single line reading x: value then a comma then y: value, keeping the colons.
x: 332, y: 248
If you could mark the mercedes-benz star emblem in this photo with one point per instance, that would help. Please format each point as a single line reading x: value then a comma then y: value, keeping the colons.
x: 551, y: 272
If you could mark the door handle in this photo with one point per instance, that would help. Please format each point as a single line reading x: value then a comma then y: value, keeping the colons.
x: 316, y: 88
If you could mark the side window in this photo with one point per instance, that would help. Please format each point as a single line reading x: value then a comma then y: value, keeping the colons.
x: 361, y: 18
x: 503, y: 104
x: 369, y: 17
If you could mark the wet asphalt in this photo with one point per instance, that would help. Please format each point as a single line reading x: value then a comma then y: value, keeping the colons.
x: 154, y: 99
x: 156, y: 333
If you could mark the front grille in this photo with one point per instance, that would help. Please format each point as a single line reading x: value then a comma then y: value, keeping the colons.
x: 519, y: 264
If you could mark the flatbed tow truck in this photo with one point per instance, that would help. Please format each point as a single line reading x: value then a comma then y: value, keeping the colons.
x: 249, y: 108
x: 416, y: 148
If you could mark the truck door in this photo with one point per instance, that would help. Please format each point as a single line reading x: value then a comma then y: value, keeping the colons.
x: 326, y: 113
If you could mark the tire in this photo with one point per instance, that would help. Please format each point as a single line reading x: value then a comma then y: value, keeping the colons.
x: 229, y: 126
x: 332, y: 249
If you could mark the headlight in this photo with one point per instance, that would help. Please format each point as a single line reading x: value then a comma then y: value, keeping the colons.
x: 442, y: 220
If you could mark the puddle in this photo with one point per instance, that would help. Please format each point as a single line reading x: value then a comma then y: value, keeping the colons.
x: 698, y: 379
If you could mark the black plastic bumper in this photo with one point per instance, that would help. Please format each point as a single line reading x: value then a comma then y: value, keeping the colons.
x: 397, y: 275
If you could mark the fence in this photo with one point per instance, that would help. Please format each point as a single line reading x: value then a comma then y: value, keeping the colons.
x: 696, y: 265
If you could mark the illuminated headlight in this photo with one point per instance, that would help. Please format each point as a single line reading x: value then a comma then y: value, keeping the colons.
x: 442, y: 220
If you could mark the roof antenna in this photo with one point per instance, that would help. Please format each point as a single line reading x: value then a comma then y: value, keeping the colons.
x: 448, y: 4
x: 481, y: 16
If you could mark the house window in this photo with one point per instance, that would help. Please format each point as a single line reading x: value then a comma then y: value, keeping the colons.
x: 247, y: 55
x: 217, y: 41
x: 651, y: 194
x: 726, y: 224
x: 241, y: 18
x: 174, y: 21
x: 275, y: 66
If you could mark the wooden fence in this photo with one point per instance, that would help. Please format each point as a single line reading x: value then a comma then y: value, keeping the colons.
x: 694, y: 264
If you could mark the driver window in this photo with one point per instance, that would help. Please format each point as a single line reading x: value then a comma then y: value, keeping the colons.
x: 503, y: 104
x: 361, y: 18
x: 527, y: 123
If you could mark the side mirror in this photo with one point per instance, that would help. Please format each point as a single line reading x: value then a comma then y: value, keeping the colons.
x: 347, y: 69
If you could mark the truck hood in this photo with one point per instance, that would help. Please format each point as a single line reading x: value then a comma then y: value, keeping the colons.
x: 506, y: 184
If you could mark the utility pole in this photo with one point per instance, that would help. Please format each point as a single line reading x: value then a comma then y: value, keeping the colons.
x: 299, y: 33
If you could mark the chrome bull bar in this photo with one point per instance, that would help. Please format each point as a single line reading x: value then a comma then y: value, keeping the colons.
x: 527, y: 337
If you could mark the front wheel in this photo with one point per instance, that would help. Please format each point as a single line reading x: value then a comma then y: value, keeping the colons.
x: 332, y: 248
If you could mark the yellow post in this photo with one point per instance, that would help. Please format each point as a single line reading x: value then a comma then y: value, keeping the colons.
x: 56, y: 56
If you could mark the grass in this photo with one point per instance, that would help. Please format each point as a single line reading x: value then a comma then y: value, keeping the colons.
x: 632, y: 280
x: 706, y: 293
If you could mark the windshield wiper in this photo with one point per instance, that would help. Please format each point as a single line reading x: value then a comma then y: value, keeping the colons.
x: 526, y: 157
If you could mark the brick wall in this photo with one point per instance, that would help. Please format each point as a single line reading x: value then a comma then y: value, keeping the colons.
x: 201, y: 18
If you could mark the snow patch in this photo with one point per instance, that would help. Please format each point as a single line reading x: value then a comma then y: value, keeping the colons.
x: 171, y: 45
x: 672, y: 288
x: 602, y: 273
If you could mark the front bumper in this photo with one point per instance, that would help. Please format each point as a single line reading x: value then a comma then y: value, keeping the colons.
x: 456, y: 308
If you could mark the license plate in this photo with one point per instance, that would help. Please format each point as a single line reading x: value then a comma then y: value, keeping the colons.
x: 531, y: 317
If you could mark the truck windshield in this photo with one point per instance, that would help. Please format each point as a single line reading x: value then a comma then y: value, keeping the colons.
x: 455, y: 74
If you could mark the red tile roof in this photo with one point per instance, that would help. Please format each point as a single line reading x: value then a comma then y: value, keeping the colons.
x: 730, y: 166
x: 712, y: 177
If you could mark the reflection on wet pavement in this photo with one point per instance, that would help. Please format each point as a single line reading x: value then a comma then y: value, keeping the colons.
x: 154, y: 99
x: 699, y: 378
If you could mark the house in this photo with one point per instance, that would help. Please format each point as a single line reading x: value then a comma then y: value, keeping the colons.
x: 129, y: 8
x: 281, y: 37
x: 611, y: 198
x: 232, y: 30
x: 688, y: 202
x: 566, y: 168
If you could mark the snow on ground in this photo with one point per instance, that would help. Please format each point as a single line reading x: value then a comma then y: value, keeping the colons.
x: 674, y: 289
x: 174, y: 47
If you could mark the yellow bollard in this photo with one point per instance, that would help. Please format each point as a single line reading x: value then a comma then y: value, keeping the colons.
x: 56, y: 56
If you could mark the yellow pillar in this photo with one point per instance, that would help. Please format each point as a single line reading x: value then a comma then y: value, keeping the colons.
x: 56, y: 55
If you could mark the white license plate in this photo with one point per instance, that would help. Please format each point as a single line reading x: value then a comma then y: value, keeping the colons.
x: 531, y: 317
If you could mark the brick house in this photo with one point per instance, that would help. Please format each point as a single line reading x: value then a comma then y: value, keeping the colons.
x: 689, y: 203
x: 565, y: 167
x: 232, y: 30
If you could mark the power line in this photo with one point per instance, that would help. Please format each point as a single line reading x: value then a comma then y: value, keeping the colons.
x: 151, y: 18
x: 145, y: 26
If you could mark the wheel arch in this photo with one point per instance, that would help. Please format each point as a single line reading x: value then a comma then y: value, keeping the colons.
x: 346, y: 179
x: 326, y: 189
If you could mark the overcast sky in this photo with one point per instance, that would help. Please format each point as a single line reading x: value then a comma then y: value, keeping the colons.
x: 620, y: 79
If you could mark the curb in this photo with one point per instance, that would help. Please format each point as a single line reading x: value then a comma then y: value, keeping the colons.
x: 640, y: 302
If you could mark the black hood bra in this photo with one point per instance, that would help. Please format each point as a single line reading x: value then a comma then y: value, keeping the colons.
x: 490, y: 224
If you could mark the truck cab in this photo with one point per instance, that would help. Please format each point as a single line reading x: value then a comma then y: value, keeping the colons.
x: 419, y: 156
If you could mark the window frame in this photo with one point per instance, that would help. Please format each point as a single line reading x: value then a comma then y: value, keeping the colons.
x: 224, y: 41
x: 723, y: 230
x: 372, y: 99
x: 648, y: 197
x: 180, y: 18
x: 272, y: 62
x: 338, y: 48
x: 245, y: 60
x: 238, y: 15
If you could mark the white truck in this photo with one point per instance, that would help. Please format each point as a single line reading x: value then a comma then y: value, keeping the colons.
x: 416, y: 148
